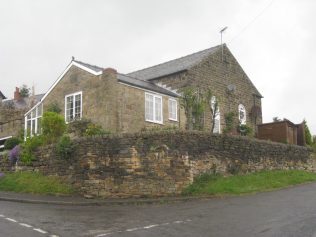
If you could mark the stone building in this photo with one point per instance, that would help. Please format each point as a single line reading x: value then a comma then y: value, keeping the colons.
x: 116, y: 101
x: 217, y: 69
x: 150, y: 97
x: 2, y: 97
x: 12, y: 114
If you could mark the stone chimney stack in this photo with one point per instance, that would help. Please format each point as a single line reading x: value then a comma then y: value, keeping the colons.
x: 110, y: 70
x: 17, y: 95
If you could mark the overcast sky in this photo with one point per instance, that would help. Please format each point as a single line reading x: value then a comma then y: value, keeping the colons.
x: 274, y: 41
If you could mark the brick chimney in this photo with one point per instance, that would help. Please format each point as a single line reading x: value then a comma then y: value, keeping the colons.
x: 110, y: 70
x: 17, y: 95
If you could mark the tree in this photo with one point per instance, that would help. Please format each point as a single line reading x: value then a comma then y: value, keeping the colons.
x: 308, y: 136
x: 24, y: 91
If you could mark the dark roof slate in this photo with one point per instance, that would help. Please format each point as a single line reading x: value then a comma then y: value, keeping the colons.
x: 24, y: 102
x: 178, y: 65
x: 2, y: 96
x: 173, y: 66
x: 133, y: 81
x: 92, y: 67
x: 144, y: 84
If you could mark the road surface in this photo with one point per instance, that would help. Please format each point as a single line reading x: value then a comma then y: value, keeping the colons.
x: 287, y: 212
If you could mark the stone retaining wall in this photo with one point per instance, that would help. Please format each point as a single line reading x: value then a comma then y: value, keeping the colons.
x: 163, y: 163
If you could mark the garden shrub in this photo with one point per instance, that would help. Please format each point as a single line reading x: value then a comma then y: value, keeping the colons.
x: 78, y: 127
x: 53, y: 126
x: 28, y: 148
x: 95, y: 129
x: 245, y: 130
x: 65, y: 147
x: 14, y: 154
x: 229, y: 121
x: 11, y: 143
x: 160, y: 128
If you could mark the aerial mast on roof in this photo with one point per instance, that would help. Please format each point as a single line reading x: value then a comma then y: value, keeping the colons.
x: 221, y: 32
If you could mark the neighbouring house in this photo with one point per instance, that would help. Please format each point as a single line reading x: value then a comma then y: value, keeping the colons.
x: 2, y: 97
x: 151, y: 97
x: 12, y: 114
x: 283, y: 131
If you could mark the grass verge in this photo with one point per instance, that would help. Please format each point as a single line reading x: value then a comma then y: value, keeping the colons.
x: 250, y: 183
x: 33, y: 182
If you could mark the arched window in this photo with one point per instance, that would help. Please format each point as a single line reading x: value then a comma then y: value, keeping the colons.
x: 216, y: 116
x: 242, y: 114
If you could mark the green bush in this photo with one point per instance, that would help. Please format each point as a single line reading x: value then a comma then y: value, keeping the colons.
x: 245, y: 130
x: 229, y: 121
x: 308, y: 136
x: 84, y: 127
x: 53, y: 126
x: 28, y: 148
x: 78, y: 127
x: 11, y: 143
x: 65, y: 147
x: 160, y: 128
x: 94, y: 129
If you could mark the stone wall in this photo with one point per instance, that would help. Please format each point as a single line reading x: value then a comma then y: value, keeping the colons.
x: 158, y: 164
x: 11, y: 121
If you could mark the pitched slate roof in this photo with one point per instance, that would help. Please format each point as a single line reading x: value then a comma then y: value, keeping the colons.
x: 132, y: 81
x: 144, y: 84
x: 173, y: 66
x: 24, y: 102
x: 179, y: 65
x: 92, y: 67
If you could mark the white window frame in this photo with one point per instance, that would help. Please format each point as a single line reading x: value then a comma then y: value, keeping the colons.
x: 242, y: 121
x: 33, y: 118
x: 155, y: 96
x: 170, y: 107
x: 73, y: 95
x: 218, y: 114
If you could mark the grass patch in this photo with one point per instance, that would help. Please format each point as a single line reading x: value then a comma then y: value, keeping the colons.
x: 250, y: 183
x: 33, y: 182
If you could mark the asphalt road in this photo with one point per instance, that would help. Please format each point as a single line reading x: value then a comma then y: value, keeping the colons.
x: 288, y: 212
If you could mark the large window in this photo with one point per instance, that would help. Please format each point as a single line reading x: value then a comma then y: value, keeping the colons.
x: 153, y: 108
x: 73, y: 107
x: 242, y: 114
x: 172, y: 108
x: 216, y: 115
x: 33, y: 121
